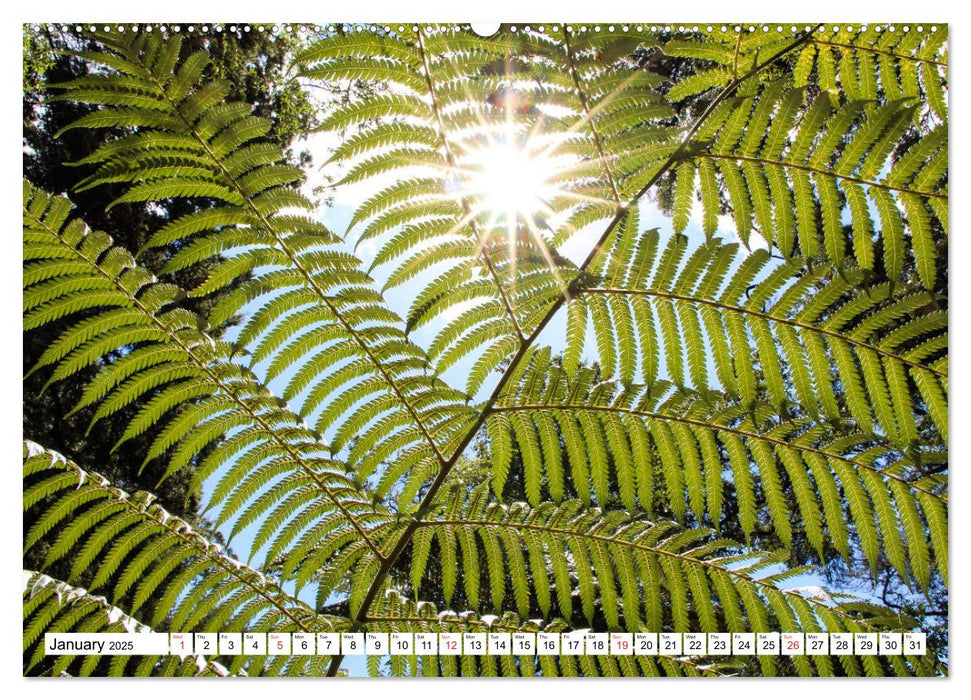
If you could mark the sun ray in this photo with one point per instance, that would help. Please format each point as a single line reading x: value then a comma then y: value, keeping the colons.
x: 520, y: 179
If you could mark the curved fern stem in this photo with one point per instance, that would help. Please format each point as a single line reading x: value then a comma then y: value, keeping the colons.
x: 768, y: 317
x: 450, y: 159
x: 293, y: 259
x: 737, y: 52
x: 208, y: 370
x: 821, y: 171
x: 589, y: 118
x: 881, y: 52
x: 579, y: 408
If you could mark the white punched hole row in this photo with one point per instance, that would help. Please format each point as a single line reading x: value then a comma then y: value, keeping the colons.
x: 486, y: 29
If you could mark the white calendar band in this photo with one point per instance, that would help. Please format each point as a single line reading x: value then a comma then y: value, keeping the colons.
x: 577, y: 643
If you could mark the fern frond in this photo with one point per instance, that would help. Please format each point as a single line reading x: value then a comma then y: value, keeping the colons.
x: 254, y: 198
x: 52, y: 606
x: 140, y: 554
x: 471, y: 247
x: 851, y: 165
x: 687, y: 566
x: 906, y: 64
x: 191, y: 390
x: 680, y: 428
x: 819, y: 327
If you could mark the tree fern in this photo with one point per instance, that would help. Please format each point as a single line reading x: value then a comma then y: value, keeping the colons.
x: 52, y: 606
x: 687, y: 308
x: 253, y: 193
x: 686, y: 431
x: 129, y: 538
x: 828, y: 153
x: 633, y: 405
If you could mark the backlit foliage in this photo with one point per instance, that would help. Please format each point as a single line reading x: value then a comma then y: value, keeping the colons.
x: 788, y: 389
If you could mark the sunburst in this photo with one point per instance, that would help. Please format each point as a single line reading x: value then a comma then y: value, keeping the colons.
x: 509, y: 181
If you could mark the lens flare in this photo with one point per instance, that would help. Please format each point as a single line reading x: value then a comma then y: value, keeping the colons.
x: 508, y: 182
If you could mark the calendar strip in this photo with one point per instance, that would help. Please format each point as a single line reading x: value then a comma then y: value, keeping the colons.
x: 579, y: 643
